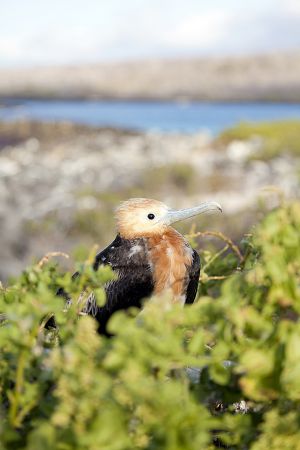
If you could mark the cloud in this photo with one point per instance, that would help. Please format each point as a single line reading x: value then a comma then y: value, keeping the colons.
x: 55, y: 46
x: 292, y: 7
x: 240, y: 30
x: 157, y: 32
x: 11, y: 49
x: 201, y: 31
x: 278, y: 29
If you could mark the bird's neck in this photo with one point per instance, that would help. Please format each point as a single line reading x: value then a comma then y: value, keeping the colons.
x: 171, y: 257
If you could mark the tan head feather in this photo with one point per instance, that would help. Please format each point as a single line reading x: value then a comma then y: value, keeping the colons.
x: 140, y: 217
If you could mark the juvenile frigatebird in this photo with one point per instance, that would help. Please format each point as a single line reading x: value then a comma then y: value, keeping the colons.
x: 149, y: 257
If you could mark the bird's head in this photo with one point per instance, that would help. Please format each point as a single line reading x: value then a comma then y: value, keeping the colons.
x: 143, y: 217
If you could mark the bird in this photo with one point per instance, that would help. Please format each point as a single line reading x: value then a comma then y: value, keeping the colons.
x: 148, y: 256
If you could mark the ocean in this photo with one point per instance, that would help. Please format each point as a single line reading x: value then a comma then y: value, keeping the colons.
x: 149, y: 116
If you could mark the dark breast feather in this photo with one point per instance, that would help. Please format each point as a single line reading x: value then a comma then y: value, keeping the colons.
x: 194, y: 274
x: 129, y: 259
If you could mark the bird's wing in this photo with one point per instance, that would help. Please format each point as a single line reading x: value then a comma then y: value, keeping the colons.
x: 194, y: 274
x: 124, y: 254
x: 103, y: 256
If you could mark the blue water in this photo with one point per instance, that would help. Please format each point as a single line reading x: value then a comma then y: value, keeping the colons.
x: 160, y: 116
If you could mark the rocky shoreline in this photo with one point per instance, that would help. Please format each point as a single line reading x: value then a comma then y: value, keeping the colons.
x: 270, y: 77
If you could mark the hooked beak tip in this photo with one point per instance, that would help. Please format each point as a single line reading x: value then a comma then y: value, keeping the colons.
x: 182, y: 214
x: 219, y: 207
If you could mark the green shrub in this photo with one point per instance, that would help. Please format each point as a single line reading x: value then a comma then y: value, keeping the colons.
x: 224, y: 370
x: 276, y: 137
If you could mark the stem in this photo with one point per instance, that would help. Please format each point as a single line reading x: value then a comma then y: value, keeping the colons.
x: 18, y: 389
x: 215, y: 257
x: 221, y: 236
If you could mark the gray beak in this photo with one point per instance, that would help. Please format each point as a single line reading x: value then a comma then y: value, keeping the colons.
x: 181, y: 214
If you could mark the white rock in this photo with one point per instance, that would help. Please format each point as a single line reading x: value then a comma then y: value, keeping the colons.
x: 239, y: 151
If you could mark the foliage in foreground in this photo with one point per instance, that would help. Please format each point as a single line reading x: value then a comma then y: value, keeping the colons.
x: 170, y: 378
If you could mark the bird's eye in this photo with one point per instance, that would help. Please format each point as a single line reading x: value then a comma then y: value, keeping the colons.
x: 151, y: 216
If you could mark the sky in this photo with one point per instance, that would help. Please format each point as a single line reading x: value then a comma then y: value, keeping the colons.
x: 55, y: 32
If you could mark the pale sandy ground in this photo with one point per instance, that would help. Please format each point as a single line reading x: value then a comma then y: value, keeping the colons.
x: 53, y: 177
x: 273, y: 77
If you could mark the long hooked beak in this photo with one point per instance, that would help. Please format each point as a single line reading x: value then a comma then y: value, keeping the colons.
x: 181, y: 214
